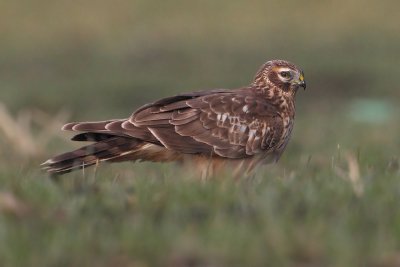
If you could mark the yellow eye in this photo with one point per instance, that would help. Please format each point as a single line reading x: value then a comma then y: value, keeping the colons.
x: 285, y: 74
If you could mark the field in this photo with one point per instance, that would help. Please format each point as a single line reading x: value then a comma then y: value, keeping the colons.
x: 332, y: 200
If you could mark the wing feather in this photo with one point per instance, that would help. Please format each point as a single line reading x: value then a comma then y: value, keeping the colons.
x: 89, y: 126
x: 231, y: 124
x: 193, y: 128
x: 184, y: 144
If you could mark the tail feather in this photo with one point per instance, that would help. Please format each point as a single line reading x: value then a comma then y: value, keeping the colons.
x: 92, y: 137
x: 104, y: 150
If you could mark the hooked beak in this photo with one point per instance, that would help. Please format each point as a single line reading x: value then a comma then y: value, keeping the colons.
x: 302, y: 82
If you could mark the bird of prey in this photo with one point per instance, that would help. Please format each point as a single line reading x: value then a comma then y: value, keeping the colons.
x: 217, y: 128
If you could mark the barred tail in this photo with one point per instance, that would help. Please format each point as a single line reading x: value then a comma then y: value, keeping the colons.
x: 107, y: 148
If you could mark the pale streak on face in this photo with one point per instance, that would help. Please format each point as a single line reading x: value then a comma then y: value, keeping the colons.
x: 295, y: 77
x: 284, y: 69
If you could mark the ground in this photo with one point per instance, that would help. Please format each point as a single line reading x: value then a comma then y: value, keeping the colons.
x: 335, y: 205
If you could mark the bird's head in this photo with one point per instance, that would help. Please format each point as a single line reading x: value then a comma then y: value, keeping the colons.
x: 280, y: 74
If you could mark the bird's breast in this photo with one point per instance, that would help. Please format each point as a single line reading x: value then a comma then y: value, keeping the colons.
x: 288, y: 123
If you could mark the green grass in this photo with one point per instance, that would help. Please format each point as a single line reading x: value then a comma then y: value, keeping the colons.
x: 161, y: 217
x: 332, y: 200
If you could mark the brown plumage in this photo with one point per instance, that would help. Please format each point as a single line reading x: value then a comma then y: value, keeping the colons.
x: 244, y: 126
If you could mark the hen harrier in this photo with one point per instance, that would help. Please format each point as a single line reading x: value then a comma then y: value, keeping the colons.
x: 242, y: 127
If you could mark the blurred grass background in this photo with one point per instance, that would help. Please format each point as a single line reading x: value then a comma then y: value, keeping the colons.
x: 93, y: 60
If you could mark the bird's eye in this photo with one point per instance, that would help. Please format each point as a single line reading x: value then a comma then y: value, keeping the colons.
x: 285, y: 74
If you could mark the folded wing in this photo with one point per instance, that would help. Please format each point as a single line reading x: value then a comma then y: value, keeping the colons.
x: 226, y: 123
x: 230, y: 124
